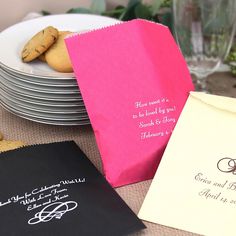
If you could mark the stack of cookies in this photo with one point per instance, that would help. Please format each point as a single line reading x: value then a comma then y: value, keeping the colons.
x: 48, y: 46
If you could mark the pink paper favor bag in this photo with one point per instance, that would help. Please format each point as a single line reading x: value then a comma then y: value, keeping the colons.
x: 134, y: 82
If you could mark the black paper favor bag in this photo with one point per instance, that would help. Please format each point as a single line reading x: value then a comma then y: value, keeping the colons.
x: 53, y: 189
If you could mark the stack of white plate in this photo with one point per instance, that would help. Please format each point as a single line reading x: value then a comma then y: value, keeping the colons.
x: 33, y: 90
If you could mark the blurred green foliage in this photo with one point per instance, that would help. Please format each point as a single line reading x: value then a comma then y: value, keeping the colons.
x: 133, y: 10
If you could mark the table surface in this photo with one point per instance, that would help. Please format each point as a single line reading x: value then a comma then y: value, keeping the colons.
x: 16, y: 128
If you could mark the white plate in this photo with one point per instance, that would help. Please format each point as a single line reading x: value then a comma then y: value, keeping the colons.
x: 42, y: 108
x: 43, y: 121
x: 38, y: 88
x: 52, y: 82
x: 43, y: 115
x: 52, y: 105
x: 39, y: 95
x: 14, y: 38
x: 39, y: 102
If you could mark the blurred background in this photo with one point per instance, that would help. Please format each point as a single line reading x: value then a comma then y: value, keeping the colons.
x: 12, y: 11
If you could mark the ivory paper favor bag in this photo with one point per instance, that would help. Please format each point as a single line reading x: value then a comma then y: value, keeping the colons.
x: 194, y: 188
x: 134, y: 82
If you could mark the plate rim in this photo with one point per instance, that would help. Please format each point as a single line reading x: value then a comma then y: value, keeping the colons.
x: 45, y: 18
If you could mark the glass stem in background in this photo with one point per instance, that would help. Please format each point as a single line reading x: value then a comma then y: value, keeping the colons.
x: 200, y: 83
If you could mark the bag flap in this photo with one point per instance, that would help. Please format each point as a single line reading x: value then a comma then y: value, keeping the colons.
x: 219, y: 102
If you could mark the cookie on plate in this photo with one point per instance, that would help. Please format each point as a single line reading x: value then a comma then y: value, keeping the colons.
x: 42, y: 57
x: 6, y: 145
x: 39, y: 43
x: 57, y: 56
